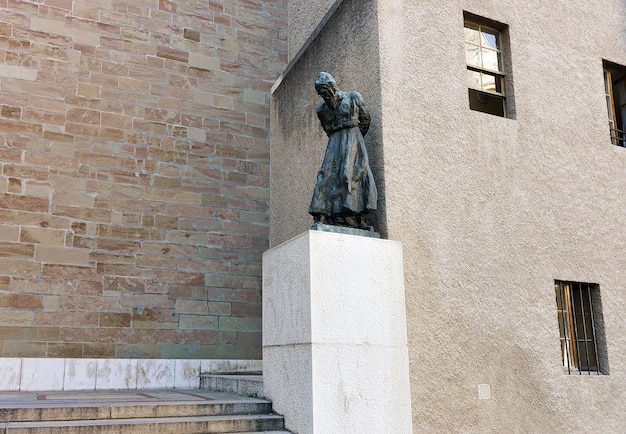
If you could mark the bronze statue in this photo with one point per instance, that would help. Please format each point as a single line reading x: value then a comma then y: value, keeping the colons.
x: 345, y: 192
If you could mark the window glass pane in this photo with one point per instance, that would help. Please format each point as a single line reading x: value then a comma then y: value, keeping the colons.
x: 488, y: 82
x: 581, y: 330
x: 473, y: 79
x: 472, y: 55
x: 609, y: 108
x: 489, y: 39
x: 583, y: 358
x: 500, y: 84
x: 591, y: 351
x: 562, y: 324
x: 471, y: 33
x: 491, y: 60
x: 559, y: 300
x: 589, y: 326
x: 484, y: 102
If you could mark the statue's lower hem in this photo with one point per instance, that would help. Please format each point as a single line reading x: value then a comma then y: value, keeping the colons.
x: 317, y: 226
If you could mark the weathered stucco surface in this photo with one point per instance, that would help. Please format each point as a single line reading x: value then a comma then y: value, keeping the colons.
x: 490, y: 211
x: 304, y: 16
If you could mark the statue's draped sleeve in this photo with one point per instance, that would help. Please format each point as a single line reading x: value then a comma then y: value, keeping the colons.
x: 364, y: 116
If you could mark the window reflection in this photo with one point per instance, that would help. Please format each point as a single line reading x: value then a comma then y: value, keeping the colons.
x: 472, y: 55
x: 491, y: 60
x: 472, y: 34
x: 489, y: 39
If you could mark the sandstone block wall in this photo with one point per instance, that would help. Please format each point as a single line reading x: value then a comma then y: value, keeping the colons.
x: 134, y: 181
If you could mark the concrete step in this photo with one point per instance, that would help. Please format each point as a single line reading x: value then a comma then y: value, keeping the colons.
x: 147, y: 411
x: 197, y: 424
x: 122, y: 410
x: 245, y: 384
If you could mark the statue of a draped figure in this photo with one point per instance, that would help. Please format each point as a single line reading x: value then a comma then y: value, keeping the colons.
x: 345, y: 192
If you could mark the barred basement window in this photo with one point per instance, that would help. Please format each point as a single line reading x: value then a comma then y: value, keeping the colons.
x: 581, y: 327
x: 485, y: 59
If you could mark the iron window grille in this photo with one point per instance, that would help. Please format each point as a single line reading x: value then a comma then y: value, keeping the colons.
x: 577, y: 308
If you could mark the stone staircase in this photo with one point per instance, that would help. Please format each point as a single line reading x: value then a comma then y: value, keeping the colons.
x: 139, y: 412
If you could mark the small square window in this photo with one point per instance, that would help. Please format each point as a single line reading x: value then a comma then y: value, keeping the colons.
x: 581, y: 327
x: 615, y: 95
x: 486, y: 79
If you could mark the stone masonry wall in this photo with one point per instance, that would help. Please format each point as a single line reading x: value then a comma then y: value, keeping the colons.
x: 134, y: 183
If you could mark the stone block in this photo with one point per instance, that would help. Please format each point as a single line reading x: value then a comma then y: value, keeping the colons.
x: 334, y: 333
x: 89, y: 288
x: 156, y: 374
x: 138, y: 351
x: 112, y: 319
x: 240, y: 323
x: 76, y: 303
x: 80, y: 374
x: 116, y: 374
x: 64, y: 319
x: 9, y: 233
x: 123, y: 284
x: 63, y: 350
x: 173, y: 54
x: 218, y: 337
x: 99, y: 350
x: 198, y: 322
x: 18, y: 72
x: 187, y: 374
x: 42, y: 374
x: 32, y: 334
x: 220, y: 308
x: 50, y: 303
x: 15, y: 317
x: 20, y: 301
x: 37, y: 286
x: 188, y: 351
x: 68, y: 273
x: 88, y: 90
x: 10, y: 374
x: 192, y: 307
x: 24, y: 203
x: 61, y: 255
x: 16, y: 250
x: 23, y: 349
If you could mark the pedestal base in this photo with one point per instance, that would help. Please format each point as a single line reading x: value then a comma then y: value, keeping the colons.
x: 335, y: 354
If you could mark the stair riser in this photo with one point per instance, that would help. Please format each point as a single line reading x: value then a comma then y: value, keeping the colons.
x: 231, y: 426
x: 127, y: 412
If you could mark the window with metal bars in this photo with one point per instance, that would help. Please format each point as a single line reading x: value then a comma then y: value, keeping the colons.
x: 581, y: 327
x: 615, y: 95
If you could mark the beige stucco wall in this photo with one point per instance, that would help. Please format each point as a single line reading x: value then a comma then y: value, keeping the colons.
x: 304, y: 17
x: 490, y: 211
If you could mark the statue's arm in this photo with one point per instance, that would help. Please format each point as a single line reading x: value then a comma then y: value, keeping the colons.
x: 323, y: 122
x: 364, y: 115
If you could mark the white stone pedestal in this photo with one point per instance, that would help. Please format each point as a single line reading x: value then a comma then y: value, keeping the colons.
x: 335, y: 356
